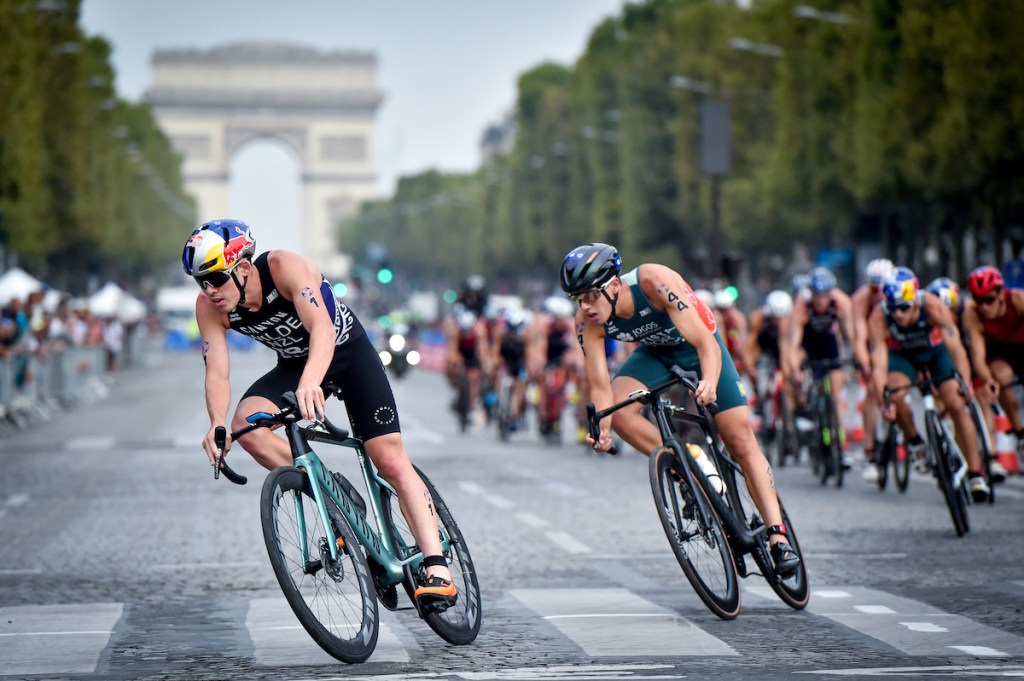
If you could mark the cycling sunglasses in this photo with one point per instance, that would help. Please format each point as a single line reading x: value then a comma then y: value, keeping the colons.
x: 589, y: 296
x: 989, y: 299
x: 902, y: 307
x: 213, y: 279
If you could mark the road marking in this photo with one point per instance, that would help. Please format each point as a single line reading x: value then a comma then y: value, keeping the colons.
x: 581, y: 672
x: 912, y: 627
x: 495, y: 500
x: 973, y: 670
x: 279, y: 641
x: 924, y: 627
x: 96, y: 442
x: 981, y: 651
x: 56, y: 639
x: 592, y: 619
x: 568, y: 542
x: 16, y: 500
x: 204, y: 566
x: 21, y: 571
x: 531, y: 520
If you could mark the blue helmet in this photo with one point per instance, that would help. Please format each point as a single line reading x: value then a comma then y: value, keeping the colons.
x: 822, y: 281
x: 947, y: 289
x: 900, y: 288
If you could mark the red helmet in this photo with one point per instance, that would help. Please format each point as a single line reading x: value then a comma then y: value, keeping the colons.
x: 983, y: 280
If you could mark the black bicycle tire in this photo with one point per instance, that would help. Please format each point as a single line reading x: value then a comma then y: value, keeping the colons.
x: 362, y: 644
x: 824, y: 449
x: 462, y: 405
x: 795, y: 589
x: 952, y: 496
x: 504, y: 411
x: 469, y: 603
x: 885, y: 455
x: 985, y: 452
x: 835, y: 440
x: 664, y: 469
x: 900, y: 467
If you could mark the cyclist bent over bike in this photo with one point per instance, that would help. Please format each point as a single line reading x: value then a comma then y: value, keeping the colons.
x: 281, y: 300
x: 654, y: 307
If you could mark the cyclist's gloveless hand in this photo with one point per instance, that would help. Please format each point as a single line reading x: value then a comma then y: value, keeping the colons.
x: 210, y: 445
x: 603, y: 443
x: 311, y: 401
x: 706, y: 393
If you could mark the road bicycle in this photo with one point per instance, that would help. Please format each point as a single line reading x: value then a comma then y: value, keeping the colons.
x: 511, y: 409
x: 553, y: 401
x: 332, y: 562
x: 711, y: 532
x: 944, y: 457
x: 893, y: 452
x: 827, y: 451
x: 774, y: 434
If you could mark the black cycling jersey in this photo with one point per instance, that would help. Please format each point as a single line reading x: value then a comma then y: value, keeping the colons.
x: 768, y: 338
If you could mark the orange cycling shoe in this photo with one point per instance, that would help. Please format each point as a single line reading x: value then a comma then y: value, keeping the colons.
x: 435, y: 593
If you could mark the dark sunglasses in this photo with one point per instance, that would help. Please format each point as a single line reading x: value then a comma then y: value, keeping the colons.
x: 214, y: 279
x: 902, y: 307
x: 988, y: 300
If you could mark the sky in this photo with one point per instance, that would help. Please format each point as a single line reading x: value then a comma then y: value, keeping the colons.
x: 447, y: 68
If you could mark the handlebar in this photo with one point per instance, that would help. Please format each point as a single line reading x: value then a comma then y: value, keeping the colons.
x: 679, y: 376
x: 263, y: 420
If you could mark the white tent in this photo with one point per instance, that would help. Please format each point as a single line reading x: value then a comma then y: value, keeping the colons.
x: 113, y: 301
x: 17, y: 283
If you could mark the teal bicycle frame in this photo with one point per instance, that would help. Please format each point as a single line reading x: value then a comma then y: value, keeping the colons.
x: 380, y: 548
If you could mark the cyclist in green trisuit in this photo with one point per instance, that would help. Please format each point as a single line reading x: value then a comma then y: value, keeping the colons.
x: 653, y: 306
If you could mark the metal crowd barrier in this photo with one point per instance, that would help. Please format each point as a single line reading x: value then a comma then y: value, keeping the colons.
x: 33, y: 388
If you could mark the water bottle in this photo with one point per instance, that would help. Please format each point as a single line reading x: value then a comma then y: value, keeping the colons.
x: 706, y: 467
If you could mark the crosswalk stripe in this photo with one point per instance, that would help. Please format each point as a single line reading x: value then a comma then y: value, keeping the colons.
x: 279, y: 639
x: 910, y: 626
x: 56, y: 639
x: 594, y: 620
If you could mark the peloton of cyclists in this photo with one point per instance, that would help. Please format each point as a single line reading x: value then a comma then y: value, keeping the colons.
x: 913, y: 331
x: 768, y: 339
x: 510, y: 349
x: 994, y: 322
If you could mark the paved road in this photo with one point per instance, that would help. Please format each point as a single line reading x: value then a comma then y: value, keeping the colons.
x: 123, y: 559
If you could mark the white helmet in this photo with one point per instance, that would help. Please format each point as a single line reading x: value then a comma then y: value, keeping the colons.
x: 877, y: 270
x: 557, y: 306
x: 705, y: 296
x: 723, y: 300
x: 778, y: 304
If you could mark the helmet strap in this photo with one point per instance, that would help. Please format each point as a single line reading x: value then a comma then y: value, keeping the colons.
x: 241, y: 287
x: 611, y: 300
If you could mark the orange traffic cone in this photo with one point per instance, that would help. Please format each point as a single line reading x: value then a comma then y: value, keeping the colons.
x: 1006, y: 452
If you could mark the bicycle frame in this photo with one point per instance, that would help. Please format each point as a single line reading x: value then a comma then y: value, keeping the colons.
x: 379, y: 547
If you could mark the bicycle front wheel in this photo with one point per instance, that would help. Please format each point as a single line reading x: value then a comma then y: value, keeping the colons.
x: 955, y: 495
x: 695, y: 533
x: 459, y: 624
x: 334, y: 600
x: 835, y: 441
x: 985, y: 449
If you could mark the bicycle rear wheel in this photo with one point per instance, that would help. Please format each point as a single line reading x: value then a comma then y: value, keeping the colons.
x: 954, y: 495
x: 985, y: 448
x: 793, y: 590
x: 900, y: 460
x: 695, y: 533
x: 885, y: 455
x: 835, y: 440
x: 333, y: 600
x: 460, y: 623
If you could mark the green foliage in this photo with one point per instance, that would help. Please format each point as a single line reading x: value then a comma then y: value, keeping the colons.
x: 910, y: 113
x: 89, y: 186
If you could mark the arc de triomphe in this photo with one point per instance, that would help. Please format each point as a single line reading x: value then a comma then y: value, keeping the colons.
x: 322, y: 105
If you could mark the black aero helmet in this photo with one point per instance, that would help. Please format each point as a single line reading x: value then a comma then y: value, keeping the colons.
x: 589, y: 266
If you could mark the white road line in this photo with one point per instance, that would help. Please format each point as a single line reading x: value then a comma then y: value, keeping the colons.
x: 568, y: 542
x: 981, y: 651
x: 56, y: 639
x: 593, y: 620
x: 917, y: 672
x: 495, y: 500
x: 16, y: 500
x: 910, y: 626
x: 204, y: 566
x: 21, y: 571
x: 530, y: 520
x: 90, y: 443
x: 579, y: 672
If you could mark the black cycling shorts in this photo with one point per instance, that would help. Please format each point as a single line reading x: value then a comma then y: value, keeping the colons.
x: 357, y: 370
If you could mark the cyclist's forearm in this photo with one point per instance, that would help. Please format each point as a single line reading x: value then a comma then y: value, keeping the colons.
x: 218, y: 398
